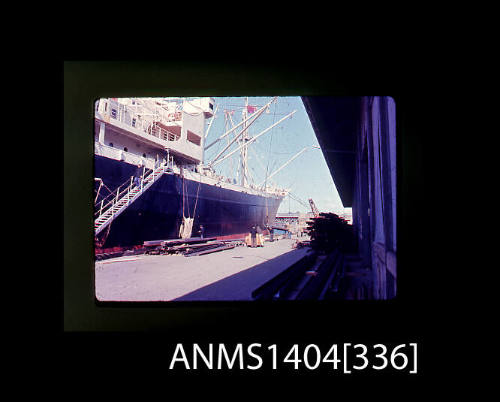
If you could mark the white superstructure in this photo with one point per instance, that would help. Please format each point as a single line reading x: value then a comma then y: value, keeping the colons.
x: 151, y: 130
x: 153, y: 126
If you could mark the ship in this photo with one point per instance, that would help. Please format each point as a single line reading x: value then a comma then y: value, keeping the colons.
x: 151, y: 179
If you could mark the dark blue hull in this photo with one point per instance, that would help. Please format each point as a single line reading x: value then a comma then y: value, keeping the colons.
x: 158, y: 213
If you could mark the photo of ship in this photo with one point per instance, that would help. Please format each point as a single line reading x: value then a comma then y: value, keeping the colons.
x: 182, y: 211
x: 152, y: 180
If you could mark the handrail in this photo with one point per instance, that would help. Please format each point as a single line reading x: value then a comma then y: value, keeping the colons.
x: 147, y: 125
x: 156, y: 131
x: 113, y: 195
x: 119, y: 195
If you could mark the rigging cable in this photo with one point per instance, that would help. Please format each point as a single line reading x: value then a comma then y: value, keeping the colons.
x: 270, y: 143
x: 196, y: 200
x: 295, y: 198
x: 183, y: 193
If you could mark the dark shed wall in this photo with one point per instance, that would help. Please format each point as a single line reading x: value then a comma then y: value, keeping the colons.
x: 374, y: 209
x: 358, y: 139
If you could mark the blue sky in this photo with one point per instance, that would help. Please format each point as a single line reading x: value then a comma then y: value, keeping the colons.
x: 307, y: 176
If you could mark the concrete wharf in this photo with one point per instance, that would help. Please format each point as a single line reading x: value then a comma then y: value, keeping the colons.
x: 229, y: 275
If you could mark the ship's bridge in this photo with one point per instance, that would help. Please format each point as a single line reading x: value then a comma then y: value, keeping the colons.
x: 157, y: 123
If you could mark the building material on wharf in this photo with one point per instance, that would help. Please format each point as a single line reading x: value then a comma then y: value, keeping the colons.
x: 229, y: 275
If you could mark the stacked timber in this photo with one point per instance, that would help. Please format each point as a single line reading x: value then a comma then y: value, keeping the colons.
x: 329, y: 231
x: 189, y: 247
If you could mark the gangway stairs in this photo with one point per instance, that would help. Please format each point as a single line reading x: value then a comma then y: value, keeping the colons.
x: 124, y: 198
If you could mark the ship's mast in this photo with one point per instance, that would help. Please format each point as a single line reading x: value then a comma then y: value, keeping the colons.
x: 244, y: 150
x: 244, y: 140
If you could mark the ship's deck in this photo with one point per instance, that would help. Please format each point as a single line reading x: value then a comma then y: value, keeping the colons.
x: 222, y: 276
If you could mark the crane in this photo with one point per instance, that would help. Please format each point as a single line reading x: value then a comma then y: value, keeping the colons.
x: 313, y: 208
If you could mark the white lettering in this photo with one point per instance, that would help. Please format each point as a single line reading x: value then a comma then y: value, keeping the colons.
x: 179, y: 348
x: 249, y: 350
x: 197, y: 351
x: 238, y: 352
